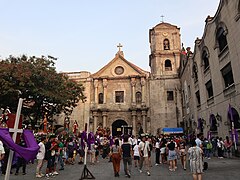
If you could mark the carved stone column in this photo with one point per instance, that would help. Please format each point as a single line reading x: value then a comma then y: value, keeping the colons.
x: 143, y: 83
x: 148, y: 125
x: 144, y: 114
x: 105, y: 83
x: 95, y: 83
x: 104, y: 114
x: 95, y: 121
x: 134, y: 114
x: 133, y: 84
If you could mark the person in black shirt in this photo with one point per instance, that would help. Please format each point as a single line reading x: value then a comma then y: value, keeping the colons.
x: 172, y: 155
x: 50, y: 156
x: 126, y: 150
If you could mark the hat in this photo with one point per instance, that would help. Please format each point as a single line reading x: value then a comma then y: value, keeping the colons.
x: 143, y: 135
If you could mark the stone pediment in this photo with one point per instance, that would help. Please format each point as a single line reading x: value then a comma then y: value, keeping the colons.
x: 119, y: 67
x: 165, y: 26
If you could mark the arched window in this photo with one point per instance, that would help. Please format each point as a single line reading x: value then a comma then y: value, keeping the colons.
x: 168, y: 65
x: 205, y: 59
x: 213, y: 122
x: 100, y: 98
x: 166, y: 44
x: 195, y: 72
x: 221, y: 39
x: 138, y: 97
x: 234, y: 117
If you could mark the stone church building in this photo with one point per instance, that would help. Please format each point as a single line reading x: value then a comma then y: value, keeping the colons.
x: 128, y: 99
x: 198, y: 91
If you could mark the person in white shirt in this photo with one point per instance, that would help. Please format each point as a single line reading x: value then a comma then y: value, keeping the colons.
x: 143, y: 151
x: 198, y: 141
x: 40, y: 158
x: 136, y: 155
x: 2, y: 152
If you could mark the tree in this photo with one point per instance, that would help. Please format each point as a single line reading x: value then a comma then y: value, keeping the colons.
x: 44, y: 90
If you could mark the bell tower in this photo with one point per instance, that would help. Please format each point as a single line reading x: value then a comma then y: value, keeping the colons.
x: 165, y: 45
x: 164, y: 83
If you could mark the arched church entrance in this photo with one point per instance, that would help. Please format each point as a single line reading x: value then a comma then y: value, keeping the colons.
x: 120, y: 127
x: 234, y: 117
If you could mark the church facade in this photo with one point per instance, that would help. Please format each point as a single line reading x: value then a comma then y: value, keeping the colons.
x: 128, y: 99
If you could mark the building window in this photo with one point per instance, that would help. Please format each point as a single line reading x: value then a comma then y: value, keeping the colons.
x: 138, y: 97
x: 195, y: 72
x: 209, y: 89
x: 170, y: 96
x: 221, y: 39
x: 119, y: 96
x: 205, y: 59
x: 166, y: 44
x: 227, y: 75
x: 213, y: 123
x: 100, y: 98
x: 198, y: 98
x: 168, y: 65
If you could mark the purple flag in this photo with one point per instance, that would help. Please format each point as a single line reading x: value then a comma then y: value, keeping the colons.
x: 236, y: 135
x: 83, y: 139
x: 90, y: 140
x: 111, y: 140
x: 230, y: 113
x: 29, y: 152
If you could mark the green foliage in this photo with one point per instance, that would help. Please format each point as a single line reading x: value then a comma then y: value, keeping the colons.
x: 35, y: 79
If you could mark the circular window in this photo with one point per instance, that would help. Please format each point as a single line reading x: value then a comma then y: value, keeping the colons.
x: 119, y: 70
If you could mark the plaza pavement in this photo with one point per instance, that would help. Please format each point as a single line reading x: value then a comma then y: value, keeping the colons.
x: 219, y: 169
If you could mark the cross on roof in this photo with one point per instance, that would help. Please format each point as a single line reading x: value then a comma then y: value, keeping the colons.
x: 119, y: 47
x: 162, y: 16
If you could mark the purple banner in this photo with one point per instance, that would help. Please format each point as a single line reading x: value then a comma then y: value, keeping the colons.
x: 90, y: 140
x: 236, y: 135
x: 230, y: 112
x: 83, y: 139
x: 29, y: 152
x: 111, y: 140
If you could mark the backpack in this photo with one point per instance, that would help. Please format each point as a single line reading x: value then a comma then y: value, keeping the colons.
x: 209, y: 145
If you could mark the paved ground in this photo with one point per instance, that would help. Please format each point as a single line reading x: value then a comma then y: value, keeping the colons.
x: 219, y: 169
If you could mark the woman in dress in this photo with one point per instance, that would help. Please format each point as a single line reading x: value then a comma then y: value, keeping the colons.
x: 172, y: 154
x: 196, y: 161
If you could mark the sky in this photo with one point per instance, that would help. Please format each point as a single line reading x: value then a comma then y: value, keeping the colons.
x: 84, y: 34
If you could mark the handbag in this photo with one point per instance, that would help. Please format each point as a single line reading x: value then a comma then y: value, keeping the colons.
x: 53, y: 152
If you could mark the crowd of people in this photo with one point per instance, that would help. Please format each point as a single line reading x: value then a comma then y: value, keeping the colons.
x: 57, y: 151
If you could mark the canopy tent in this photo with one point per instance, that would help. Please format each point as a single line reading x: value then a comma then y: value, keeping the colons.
x: 172, y: 130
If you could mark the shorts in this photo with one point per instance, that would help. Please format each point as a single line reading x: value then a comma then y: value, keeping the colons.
x: 172, y: 155
x: 97, y: 153
x: 81, y: 152
x: 50, y: 162
x: 70, y: 154
x: 136, y: 158
x: 163, y: 150
x: 183, y: 152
